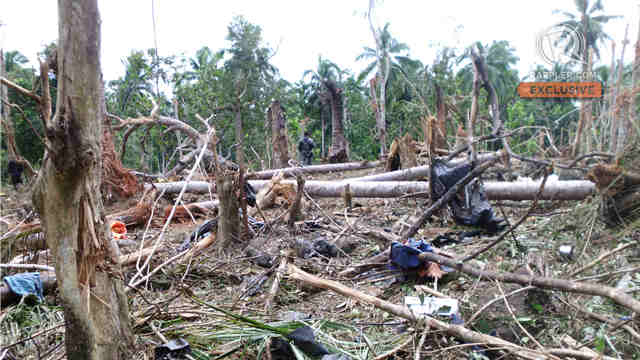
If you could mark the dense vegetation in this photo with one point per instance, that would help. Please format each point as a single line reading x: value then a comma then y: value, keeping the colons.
x: 241, y: 75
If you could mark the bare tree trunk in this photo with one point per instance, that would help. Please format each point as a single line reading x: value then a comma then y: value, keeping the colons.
x: 229, y: 220
x: 635, y: 82
x: 613, y: 136
x: 583, y: 103
x: 439, y: 128
x: 314, y: 169
x: 324, y: 129
x: 519, y: 190
x: 67, y: 195
x: 381, y: 81
x: 338, y: 151
x: 622, y: 123
x: 278, y: 135
x: 243, y: 199
x: 588, y: 114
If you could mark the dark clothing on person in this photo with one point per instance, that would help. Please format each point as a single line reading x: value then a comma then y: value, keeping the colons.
x: 15, y: 170
x: 305, y: 146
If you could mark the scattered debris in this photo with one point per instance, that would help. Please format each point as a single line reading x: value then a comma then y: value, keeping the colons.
x: 173, y: 350
x: 432, y: 305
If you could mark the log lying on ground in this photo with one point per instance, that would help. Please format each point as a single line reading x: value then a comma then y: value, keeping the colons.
x: 458, y: 331
x: 314, y: 169
x: 613, y: 294
x: 525, y: 190
x: 422, y: 171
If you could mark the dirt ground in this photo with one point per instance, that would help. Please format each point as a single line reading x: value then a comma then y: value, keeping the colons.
x: 227, y: 279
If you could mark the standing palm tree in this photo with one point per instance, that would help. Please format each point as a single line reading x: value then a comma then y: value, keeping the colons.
x: 327, y: 80
x: 384, y: 62
x: 592, y: 29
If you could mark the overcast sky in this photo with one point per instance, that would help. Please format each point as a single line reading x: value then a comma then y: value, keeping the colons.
x: 301, y: 30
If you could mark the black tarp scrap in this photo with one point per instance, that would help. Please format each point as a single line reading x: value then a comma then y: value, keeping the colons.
x: 174, y: 349
x: 302, y: 337
x: 470, y: 206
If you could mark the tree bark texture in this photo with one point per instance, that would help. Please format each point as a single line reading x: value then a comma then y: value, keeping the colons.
x: 422, y: 171
x: 279, y: 135
x: 229, y: 220
x: 338, y: 152
x: 67, y: 194
x: 314, y: 169
x: 523, y: 190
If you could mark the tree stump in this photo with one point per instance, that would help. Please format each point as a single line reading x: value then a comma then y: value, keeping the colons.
x: 229, y: 220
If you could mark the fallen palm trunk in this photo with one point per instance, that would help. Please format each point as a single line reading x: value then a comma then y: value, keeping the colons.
x: 422, y: 171
x: 542, y: 282
x: 314, y: 169
x: 458, y: 331
x: 525, y: 190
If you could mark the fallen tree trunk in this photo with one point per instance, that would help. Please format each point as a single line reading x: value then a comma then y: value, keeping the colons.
x: 458, y: 331
x: 314, y: 169
x: 422, y: 171
x: 525, y: 190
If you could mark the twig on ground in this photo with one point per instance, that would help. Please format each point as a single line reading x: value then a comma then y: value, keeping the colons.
x: 603, y: 318
x: 485, y: 306
x: 615, y: 295
x: 423, y: 337
x: 513, y: 316
x: 284, y: 260
x: 602, y: 257
x: 458, y: 331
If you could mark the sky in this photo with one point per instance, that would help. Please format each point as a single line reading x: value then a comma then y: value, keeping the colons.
x: 300, y: 30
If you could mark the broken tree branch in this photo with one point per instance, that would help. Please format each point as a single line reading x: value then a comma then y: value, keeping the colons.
x: 514, y: 226
x: 404, y: 312
x: 615, y: 295
x: 282, y: 268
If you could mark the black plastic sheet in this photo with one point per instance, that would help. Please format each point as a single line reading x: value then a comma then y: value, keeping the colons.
x: 470, y: 207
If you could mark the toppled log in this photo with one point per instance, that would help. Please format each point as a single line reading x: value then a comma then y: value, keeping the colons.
x: 423, y: 171
x: 314, y: 169
x: 613, y: 294
x: 136, y: 215
x: 525, y: 190
x: 458, y: 331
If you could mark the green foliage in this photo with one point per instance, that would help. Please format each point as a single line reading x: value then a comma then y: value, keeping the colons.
x: 26, y: 116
